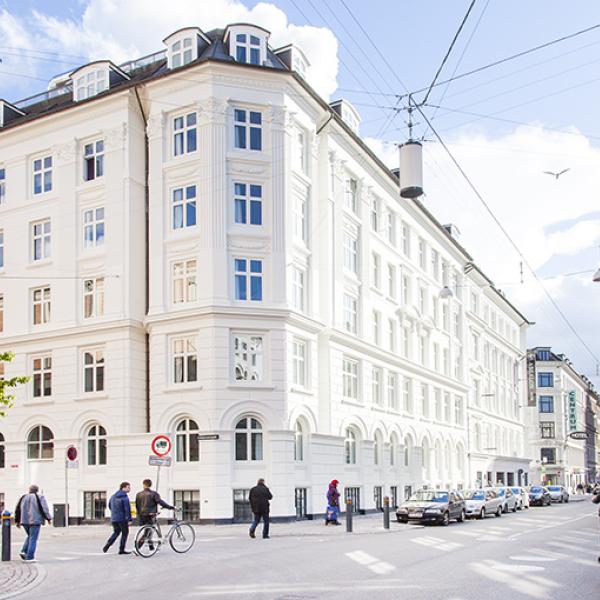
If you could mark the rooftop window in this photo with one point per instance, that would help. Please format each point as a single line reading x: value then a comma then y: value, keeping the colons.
x: 92, y: 79
x: 247, y: 43
x: 184, y: 46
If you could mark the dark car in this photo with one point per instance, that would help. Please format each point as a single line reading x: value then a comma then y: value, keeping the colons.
x: 539, y: 496
x: 432, y: 506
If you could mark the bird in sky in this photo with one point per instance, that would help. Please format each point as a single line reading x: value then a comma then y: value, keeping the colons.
x: 556, y: 175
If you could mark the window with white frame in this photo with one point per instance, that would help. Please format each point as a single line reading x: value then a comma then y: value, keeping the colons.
x: 90, y: 84
x: 187, y: 446
x: 184, y: 207
x: 406, y: 341
x: 248, y: 203
x: 425, y: 400
x: 350, y: 313
x: 182, y: 52
x: 351, y: 195
x: 1, y: 313
x: 422, y: 254
x: 407, y: 395
x: 42, y: 175
x: 447, y: 407
x: 392, y: 334
x: 96, y: 446
x: 435, y: 309
x: 93, y: 227
x: 458, y: 410
x: 445, y: 317
x: 392, y: 390
x: 42, y: 376
x: 299, y: 363
x: 1, y: 248
x: 350, y: 378
x: 435, y: 264
x: 299, y: 288
x: 375, y: 216
x: 422, y: 300
x: 474, y: 345
x: 437, y: 395
x: 446, y: 361
x: 445, y: 273
x: 93, y: 160
x: 456, y: 321
x: 247, y: 129
x: 377, y: 447
x: 93, y: 297
x: 474, y: 303
x: 300, y: 217
x: 298, y: 441
x: 2, y: 185
x: 40, y: 443
x: 391, y: 281
x: 406, y: 290
x: 41, y: 240
x: 248, y: 439
x: 248, y: 357
x: 93, y: 371
x: 422, y: 340
x: 184, y: 281
x: 350, y: 446
x: 406, y: 239
x: 185, y: 135
x: 351, y: 252
x: 301, y: 152
x: 248, y: 279
x: 41, y: 305
x: 185, y: 360
x: 376, y: 327
x: 376, y: 385
x: 436, y: 356
x: 247, y: 48
x: 376, y: 267
x: 391, y: 227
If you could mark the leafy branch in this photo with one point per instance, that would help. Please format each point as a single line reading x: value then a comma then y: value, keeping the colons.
x: 7, y: 385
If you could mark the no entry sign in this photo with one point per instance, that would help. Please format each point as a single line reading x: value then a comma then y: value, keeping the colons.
x: 72, y: 453
x: 161, y: 445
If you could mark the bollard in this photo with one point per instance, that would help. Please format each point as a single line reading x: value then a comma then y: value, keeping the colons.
x: 6, y: 522
x: 386, y: 512
x: 349, y: 516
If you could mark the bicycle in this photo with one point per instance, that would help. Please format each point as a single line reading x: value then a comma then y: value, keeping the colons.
x: 149, y: 538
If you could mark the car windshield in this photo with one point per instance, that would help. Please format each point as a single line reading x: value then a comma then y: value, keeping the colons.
x: 554, y: 488
x: 475, y: 495
x: 516, y: 490
x: 536, y: 490
x: 501, y: 492
x: 429, y: 496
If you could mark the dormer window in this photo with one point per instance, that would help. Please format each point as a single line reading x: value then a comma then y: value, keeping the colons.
x: 95, y: 78
x: 247, y: 43
x: 348, y: 114
x: 184, y: 46
x: 293, y: 58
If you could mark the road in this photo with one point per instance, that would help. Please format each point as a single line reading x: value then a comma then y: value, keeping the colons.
x: 542, y: 553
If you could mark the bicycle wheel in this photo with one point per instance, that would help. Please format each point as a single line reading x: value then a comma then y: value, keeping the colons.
x: 182, y: 537
x: 147, y: 541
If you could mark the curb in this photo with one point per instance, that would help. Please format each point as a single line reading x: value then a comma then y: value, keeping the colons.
x: 39, y: 578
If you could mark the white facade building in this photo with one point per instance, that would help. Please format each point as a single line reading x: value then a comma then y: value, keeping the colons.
x: 196, y: 243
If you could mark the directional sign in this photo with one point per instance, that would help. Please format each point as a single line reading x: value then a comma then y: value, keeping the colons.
x: 161, y: 445
x: 72, y: 453
x: 157, y: 461
x: 578, y: 435
x: 208, y: 436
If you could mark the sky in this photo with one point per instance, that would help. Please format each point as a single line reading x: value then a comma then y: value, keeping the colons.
x: 505, y: 125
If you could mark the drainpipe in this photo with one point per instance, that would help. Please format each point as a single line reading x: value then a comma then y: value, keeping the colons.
x: 146, y: 257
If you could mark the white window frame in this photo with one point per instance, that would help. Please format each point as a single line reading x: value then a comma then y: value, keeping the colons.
x: 180, y: 202
x: 93, y: 297
x: 93, y: 160
x: 42, y: 172
x: 187, y: 445
x: 184, y: 354
x: 41, y: 240
x: 377, y: 385
x: 350, y: 378
x: 183, y: 281
x: 350, y: 313
x: 90, y: 84
x: 182, y: 51
x: 392, y: 390
x: 97, y: 368
x: 248, y: 356
x: 376, y: 327
x: 185, y: 133
x: 250, y: 42
x: 248, y: 126
x: 93, y: 226
x: 40, y: 373
x: 351, y: 250
x: 298, y: 280
x: 44, y: 303
x: 248, y: 276
x: 392, y: 334
x: 300, y: 363
x: 2, y: 184
x: 351, y: 194
x: 248, y: 200
x: 376, y: 270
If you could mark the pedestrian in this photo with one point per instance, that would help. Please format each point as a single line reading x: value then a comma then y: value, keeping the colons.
x: 596, y: 500
x: 120, y: 517
x: 31, y: 512
x: 333, y: 504
x: 147, y: 502
x: 580, y: 488
x: 259, y: 503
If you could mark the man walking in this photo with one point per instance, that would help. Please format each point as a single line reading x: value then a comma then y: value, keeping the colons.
x: 31, y: 512
x: 120, y: 517
x: 259, y: 503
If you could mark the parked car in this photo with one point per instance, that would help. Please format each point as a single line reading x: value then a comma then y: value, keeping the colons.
x: 523, y: 494
x: 509, y: 501
x: 479, y: 503
x: 558, y: 493
x: 432, y: 506
x: 539, y: 496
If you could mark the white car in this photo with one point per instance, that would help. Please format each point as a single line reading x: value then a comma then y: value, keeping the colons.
x: 509, y: 500
x: 522, y: 495
x: 480, y: 503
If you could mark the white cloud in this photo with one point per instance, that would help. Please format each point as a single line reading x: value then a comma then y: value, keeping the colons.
x: 126, y: 29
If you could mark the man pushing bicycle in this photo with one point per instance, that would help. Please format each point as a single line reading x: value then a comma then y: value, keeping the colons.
x: 147, y: 502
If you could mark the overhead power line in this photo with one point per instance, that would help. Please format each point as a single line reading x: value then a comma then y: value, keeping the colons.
x: 449, y: 51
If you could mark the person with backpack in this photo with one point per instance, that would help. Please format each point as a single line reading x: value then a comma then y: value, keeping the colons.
x: 333, y: 504
x: 31, y: 513
x: 120, y: 517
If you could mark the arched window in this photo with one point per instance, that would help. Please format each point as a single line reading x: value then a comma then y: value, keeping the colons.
x: 298, y: 442
x: 187, y: 448
x: 393, y: 449
x: 96, y: 445
x: 2, y: 452
x: 377, y: 449
x: 248, y: 439
x: 40, y: 443
x: 350, y: 446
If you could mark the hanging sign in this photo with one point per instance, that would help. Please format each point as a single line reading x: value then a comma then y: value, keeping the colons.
x: 572, y: 411
x: 531, y: 379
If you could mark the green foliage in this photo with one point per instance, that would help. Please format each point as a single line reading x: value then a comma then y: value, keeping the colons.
x: 6, y: 385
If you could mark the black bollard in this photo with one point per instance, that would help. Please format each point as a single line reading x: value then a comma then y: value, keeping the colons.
x: 386, y: 512
x: 349, y: 516
x: 6, y: 522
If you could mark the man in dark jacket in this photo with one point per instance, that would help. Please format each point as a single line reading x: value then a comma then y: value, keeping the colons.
x: 120, y: 517
x: 147, y: 502
x: 259, y: 503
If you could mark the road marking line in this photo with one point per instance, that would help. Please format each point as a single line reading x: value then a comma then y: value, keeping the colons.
x: 371, y: 562
x: 381, y: 568
x: 568, y: 547
x: 468, y: 533
x: 533, y: 558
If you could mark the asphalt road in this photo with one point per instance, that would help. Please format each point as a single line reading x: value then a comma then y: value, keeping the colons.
x: 548, y: 552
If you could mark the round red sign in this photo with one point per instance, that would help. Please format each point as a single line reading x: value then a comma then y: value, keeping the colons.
x: 161, y: 445
x: 72, y: 453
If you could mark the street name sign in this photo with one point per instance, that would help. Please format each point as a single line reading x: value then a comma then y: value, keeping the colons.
x: 208, y: 436
x: 161, y: 445
x: 159, y: 461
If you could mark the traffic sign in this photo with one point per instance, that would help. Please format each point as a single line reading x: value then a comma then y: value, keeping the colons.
x: 208, y: 436
x: 72, y: 453
x: 158, y: 461
x: 161, y: 445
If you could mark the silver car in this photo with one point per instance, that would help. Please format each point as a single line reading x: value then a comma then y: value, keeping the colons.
x: 558, y: 493
x: 479, y: 503
x: 522, y: 495
x: 509, y: 500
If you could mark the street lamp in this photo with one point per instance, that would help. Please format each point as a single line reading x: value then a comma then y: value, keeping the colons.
x: 446, y: 292
x: 596, y: 277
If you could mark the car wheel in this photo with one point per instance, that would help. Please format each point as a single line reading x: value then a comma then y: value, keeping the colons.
x: 499, y: 511
x: 514, y: 509
x: 461, y: 518
x: 482, y: 514
x: 561, y: 500
x: 567, y: 500
x: 446, y: 519
x: 505, y: 509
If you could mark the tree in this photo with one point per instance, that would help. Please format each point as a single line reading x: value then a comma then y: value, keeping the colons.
x: 6, y: 385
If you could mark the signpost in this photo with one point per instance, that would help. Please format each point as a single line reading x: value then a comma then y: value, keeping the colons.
x: 160, y: 446
x: 70, y: 463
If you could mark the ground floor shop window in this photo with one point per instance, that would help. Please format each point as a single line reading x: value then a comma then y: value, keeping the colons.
x: 394, y: 496
x: 353, y: 493
x: 510, y: 479
x: 407, y: 492
x: 300, y: 501
x: 189, y: 503
x: 378, y: 497
x: 94, y: 506
x: 1, y: 503
x: 241, y: 505
x: 500, y: 478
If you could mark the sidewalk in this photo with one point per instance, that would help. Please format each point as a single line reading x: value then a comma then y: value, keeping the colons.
x: 19, y: 577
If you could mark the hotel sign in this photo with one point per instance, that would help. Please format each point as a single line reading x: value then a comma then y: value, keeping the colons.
x: 572, y: 411
x: 531, y: 379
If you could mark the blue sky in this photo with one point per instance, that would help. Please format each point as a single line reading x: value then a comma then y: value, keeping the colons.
x: 553, y: 93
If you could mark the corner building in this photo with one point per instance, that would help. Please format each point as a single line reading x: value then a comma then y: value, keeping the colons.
x: 196, y: 243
